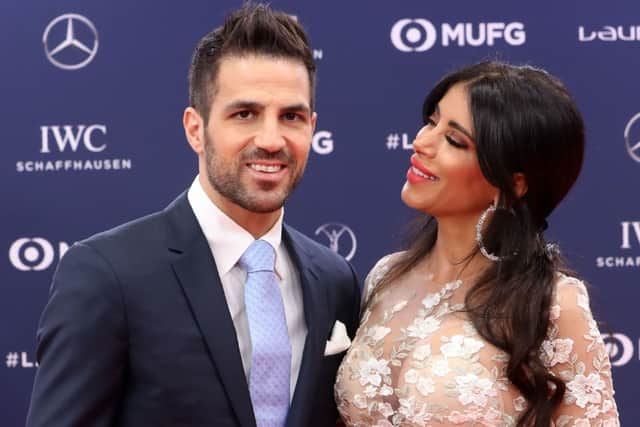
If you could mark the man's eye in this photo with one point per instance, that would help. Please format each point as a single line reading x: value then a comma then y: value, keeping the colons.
x: 291, y: 116
x: 243, y: 114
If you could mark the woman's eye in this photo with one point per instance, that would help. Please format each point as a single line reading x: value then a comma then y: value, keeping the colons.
x: 455, y: 143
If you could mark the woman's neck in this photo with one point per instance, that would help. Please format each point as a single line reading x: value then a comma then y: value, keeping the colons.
x: 455, y: 254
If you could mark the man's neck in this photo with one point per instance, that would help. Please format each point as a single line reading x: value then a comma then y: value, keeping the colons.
x: 256, y: 223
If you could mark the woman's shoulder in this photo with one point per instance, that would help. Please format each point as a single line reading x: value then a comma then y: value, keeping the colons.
x: 570, y: 291
x: 571, y: 306
x: 378, y: 272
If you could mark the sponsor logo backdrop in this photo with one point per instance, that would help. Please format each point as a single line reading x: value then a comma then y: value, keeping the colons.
x: 92, y: 98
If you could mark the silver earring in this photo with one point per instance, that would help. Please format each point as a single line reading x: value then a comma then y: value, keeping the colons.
x: 479, y: 225
x: 551, y: 250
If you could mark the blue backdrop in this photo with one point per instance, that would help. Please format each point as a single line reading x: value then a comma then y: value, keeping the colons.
x: 91, y: 100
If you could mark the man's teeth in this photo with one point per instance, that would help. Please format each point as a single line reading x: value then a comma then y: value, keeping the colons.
x: 265, y: 168
x: 417, y: 172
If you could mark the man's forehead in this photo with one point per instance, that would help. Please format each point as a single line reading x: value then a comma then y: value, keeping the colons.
x: 265, y: 67
x: 250, y: 76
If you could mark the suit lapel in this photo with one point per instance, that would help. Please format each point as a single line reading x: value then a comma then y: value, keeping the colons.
x: 315, y: 314
x: 196, y: 271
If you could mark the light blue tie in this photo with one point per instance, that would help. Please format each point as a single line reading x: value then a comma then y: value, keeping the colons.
x: 270, y: 374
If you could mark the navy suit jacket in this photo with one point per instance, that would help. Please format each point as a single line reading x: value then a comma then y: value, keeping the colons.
x: 137, y: 331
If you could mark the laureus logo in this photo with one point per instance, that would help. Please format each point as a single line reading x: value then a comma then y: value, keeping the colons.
x: 340, y: 238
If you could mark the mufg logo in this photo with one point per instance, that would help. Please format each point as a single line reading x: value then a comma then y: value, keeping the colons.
x: 322, y: 142
x: 632, y: 137
x: 35, y: 253
x: 70, y: 41
x: 340, y: 238
x: 420, y: 35
x: 620, y: 348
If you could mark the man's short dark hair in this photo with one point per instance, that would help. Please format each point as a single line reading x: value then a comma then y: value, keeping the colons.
x: 255, y: 29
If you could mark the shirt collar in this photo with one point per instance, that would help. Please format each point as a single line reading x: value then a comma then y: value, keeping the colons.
x: 227, y: 240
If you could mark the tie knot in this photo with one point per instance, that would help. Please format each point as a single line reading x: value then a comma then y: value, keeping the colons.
x: 259, y: 256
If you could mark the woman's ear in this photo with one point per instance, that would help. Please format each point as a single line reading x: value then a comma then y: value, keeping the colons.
x: 520, y: 184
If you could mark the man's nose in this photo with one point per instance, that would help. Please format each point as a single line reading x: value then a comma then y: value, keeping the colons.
x: 270, y: 137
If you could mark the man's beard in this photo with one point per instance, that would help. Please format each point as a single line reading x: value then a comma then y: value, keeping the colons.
x: 225, y: 178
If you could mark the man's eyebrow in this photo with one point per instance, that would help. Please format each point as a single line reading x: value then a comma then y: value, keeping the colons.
x: 252, y: 105
x: 298, y: 107
x: 242, y: 105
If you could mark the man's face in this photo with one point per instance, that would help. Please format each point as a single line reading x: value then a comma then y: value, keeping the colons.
x: 257, y: 138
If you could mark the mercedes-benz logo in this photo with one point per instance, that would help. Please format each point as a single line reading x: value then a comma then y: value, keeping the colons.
x: 632, y: 138
x: 334, y: 232
x: 77, y: 49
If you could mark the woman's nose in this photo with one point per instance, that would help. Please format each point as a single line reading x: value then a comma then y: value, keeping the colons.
x: 425, y: 141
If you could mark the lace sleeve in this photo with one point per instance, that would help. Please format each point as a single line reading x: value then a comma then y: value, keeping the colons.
x: 575, y: 351
x: 379, y: 270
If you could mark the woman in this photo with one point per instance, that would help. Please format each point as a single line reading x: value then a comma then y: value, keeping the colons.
x: 477, y: 323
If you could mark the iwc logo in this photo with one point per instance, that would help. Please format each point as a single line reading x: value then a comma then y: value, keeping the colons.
x: 632, y: 137
x: 629, y: 244
x: 89, y: 141
x: 70, y: 41
x: 340, y: 239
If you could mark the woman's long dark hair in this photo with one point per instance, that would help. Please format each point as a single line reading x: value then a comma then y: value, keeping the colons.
x: 525, y: 122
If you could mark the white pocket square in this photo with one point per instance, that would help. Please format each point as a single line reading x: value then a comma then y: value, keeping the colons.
x: 339, y: 340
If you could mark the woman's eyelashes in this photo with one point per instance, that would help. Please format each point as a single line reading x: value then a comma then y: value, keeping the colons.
x: 456, y: 143
x: 452, y: 137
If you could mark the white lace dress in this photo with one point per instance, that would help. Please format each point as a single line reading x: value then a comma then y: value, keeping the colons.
x: 417, y: 361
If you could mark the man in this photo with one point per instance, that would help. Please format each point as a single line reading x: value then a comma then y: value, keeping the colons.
x: 150, y: 324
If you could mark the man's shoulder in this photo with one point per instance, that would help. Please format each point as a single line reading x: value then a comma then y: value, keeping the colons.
x: 332, y: 270
x: 305, y: 241
x: 319, y: 252
x: 140, y: 233
x: 142, y: 227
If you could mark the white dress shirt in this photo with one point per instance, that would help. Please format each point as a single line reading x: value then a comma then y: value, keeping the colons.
x: 228, y: 241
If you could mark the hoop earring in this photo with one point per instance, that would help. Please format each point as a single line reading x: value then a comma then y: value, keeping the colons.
x: 479, y: 225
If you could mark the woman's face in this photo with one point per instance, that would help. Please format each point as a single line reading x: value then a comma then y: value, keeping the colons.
x: 444, y: 179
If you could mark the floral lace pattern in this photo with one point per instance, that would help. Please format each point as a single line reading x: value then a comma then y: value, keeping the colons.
x: 417, y: 360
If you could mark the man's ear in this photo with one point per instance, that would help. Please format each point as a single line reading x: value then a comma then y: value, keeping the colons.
x: 520, y: 184
x: 194, y: 129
